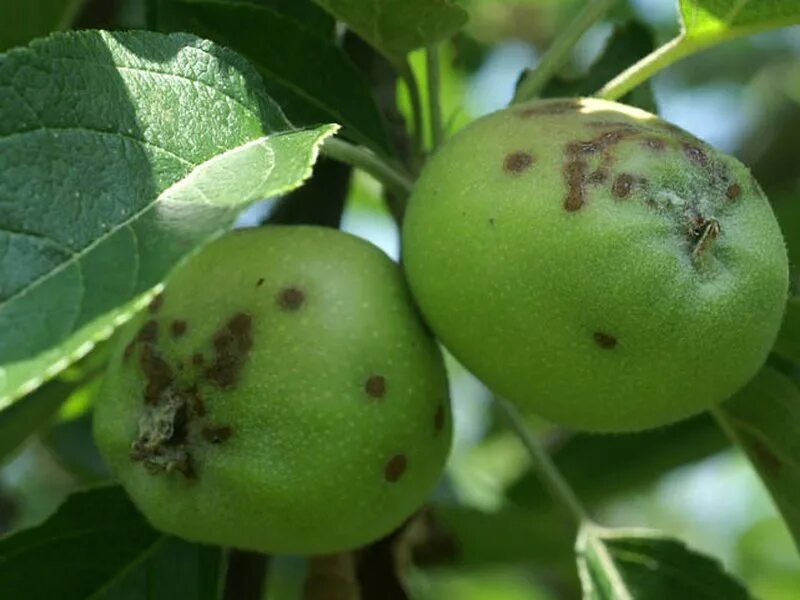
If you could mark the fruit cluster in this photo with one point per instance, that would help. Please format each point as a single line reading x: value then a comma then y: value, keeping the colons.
x: 586, y: 260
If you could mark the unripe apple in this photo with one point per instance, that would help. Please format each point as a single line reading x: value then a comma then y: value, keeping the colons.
x: 595, y: 264
x: 281, y: 395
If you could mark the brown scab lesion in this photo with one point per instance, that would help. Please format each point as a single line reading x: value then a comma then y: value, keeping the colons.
x: 575, y: 175
x: 232, y: 345
x: 516, y: 163
x: 375, y: 386
x: 178, y: 328
x: 551, y: 107
x: 157, y: 372
x: 217, y: 435
x: 604, y: 340
x: 623, y: 185
x: 156, y: 303
x: 655, y: 143
x: 733, y: 191
x: 291, y: 298
x: 395, y: 468
x: 148, y: 334
x: 702, y: 234
x: 695, y: 154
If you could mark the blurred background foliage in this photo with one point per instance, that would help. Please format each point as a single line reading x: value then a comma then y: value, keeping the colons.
x: 492, y: 532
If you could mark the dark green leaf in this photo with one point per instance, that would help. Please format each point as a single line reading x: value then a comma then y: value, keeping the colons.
x: 72, y: 444
x: 601, y: 467
x: 718, y: 20
x: 121, y: 154
x: 97, y: 545
x: 787, y: 345
x: 21, y: 21
x: 764, y: 419
x: 309, y: 75
x: 396, y: 27
x: 628, y: 43
x: 641, y: 565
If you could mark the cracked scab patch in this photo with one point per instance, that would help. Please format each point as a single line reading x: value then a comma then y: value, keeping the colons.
x: 172, y: 419
x: 623, y: 184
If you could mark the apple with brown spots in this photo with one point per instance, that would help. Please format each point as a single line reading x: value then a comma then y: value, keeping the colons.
x: 595, y: 264
x: 281, y: 395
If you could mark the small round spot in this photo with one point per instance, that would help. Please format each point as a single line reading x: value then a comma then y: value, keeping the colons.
x: 260, y: 282
x: 733, y: 191
x: 605, y: 340
x: 156, y: 303
x: 438, y: 419
x: 517, y: 162
x: 291, y: 298
x: 376, y: 386
x: 395, y: 468
x: 178, y: 328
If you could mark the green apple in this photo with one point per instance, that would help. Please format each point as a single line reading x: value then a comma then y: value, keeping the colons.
x: 595, y: 264
x: 282, y: 396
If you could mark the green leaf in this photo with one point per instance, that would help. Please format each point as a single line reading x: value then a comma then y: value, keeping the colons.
x: 630, y: 564
x: 717, y: 20
x: 121, y: 154
x: 306, y: 72
x: 20, y: 22
x: 764, y: 419
x: 787, y: 345
x: 602, y: 467
x: 396, y: 27
x: 627, y: 44
x: 97, y: 545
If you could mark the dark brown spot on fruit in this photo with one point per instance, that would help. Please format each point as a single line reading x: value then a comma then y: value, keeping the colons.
x: 605, y: 340
x: 260, y: 282
x: 733, y: 191
x: 574, y: 174
x: 376, y: 386
x: 598, y: 176
x: 623, y: 184
x: 516, y: 163
x: 553, y: 107
x: 157, y: 373
x: 655, y: 143
x: 178, y: 328
x: 291, y: 298
x: 232, y: 344
x: 196, y: 401
x: 217, y: 435
x: 395, y: 468
x: 695, y: 154
x: 198, y: 360
x: 148, y: 333
x: 156, y: 303
x: 438, y: 419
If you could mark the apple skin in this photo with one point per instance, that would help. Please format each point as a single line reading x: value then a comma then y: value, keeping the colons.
x: 282, y: 396
x: 596, y: 265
